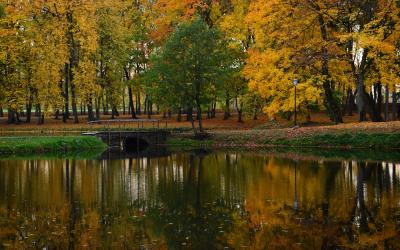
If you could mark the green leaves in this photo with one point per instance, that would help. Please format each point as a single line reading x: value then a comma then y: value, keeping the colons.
x: 2, y: 11
x: 192, y: 65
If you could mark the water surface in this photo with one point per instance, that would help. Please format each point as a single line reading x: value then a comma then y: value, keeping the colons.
x: 200, y: 200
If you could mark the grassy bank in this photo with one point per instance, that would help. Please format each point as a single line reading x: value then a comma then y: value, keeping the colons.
x: 54, y: 144
x: 345, y: 140
x: 290, y: 138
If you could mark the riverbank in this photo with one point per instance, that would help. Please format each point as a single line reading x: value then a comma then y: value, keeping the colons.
x: 49, y: 144
x: 380, y: 136
x: 362, y: 136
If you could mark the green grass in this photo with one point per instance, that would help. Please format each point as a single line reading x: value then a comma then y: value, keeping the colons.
x: 53, y: 144
x: 358, y: 140
x: 362, y: 140
x: 188, y: 143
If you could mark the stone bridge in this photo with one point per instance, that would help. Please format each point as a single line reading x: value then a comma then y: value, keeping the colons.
x: 131, y: 140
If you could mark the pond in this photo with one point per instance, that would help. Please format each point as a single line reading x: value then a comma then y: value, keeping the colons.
x: 200, y: 200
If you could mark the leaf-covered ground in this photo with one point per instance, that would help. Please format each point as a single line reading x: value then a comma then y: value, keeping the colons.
x: 218, y: 123
x: 318, y: 133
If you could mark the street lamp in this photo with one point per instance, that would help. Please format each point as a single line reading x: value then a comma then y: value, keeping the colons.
x: 295, y: 83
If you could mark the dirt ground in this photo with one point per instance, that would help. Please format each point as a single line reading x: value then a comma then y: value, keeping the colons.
x: 319, y: 121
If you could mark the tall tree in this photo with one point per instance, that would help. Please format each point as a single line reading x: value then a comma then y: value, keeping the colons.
x: 294, y: 39
x: 370, y: 30
x: 190, y: 65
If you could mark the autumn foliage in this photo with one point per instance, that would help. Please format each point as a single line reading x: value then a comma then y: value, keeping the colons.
x: 59, y: 56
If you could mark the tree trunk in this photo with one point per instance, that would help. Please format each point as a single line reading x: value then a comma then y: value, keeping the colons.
x: 130, y: 96
x: 28, y: 112
x: 189, y: 117
x: 90, y: 110
x: 66, y: 94
x: 74, y: 107
x: 398, y: 111
x: 379, y: 100
x: 360, y: 98
x: 308, y: 118
x: 345, y: 98
x: 330, y: 101
x: 372, y: 109
x: 17, y: 118
x: 37, y: 107
x: 107, y: 107
x: 97, y: 108
x: 40, y: 115
x: 214, y: 110
x: 189, y: 114
x: 131, y: 103
x: 199, y: 115
x: 150, y: 109
x: 57, y: 115
x: 179, y: 118
x: 138, y: 103
x: 239, y: 109
x: 255, y: 111
x: 227, y: 112
x: 145, y: 105
x: 12, y: 117
x: 114, y: 112
x: 394, y: 105
x: 387, y: 93
x: 123, y: 103
x: 73, y: 61
x: 365, y: 102
x: 350, y: 102
x: 1, y: 112
x: 240, y: 119
x: 103, y: 104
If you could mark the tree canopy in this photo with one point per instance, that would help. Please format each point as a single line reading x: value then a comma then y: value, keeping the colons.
x: 57, y: 56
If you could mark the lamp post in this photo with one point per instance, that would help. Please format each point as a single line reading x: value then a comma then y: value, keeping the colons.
x: 295, y: 82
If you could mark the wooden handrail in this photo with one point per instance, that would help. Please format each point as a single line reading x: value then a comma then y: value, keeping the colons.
x: 124, y: 121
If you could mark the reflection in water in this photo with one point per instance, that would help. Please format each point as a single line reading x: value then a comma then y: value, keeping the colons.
x: 199, y: 201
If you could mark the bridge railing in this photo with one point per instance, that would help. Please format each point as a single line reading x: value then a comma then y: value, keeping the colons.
x: 139, y: 124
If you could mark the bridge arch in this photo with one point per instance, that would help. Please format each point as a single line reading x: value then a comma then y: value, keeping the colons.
x: 135, y: 144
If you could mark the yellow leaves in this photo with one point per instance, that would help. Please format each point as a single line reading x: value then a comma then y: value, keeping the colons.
x: 34, y: 38
x: 375, y: 43
x: 272, y: 22
x: 85, y: 76
x: 291, y: 42
x: 233, y: 24
x: 266, y: 75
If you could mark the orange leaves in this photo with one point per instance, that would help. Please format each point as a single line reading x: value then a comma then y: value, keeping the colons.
x: 169, y: 13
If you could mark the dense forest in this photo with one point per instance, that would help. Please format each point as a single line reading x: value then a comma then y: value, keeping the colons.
x: 59, y: 57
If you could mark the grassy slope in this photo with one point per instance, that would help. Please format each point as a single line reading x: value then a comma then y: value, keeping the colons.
x: 24, y: 145
x: 329, y: 139
x: 359, y: 140
x: 365, y: 135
